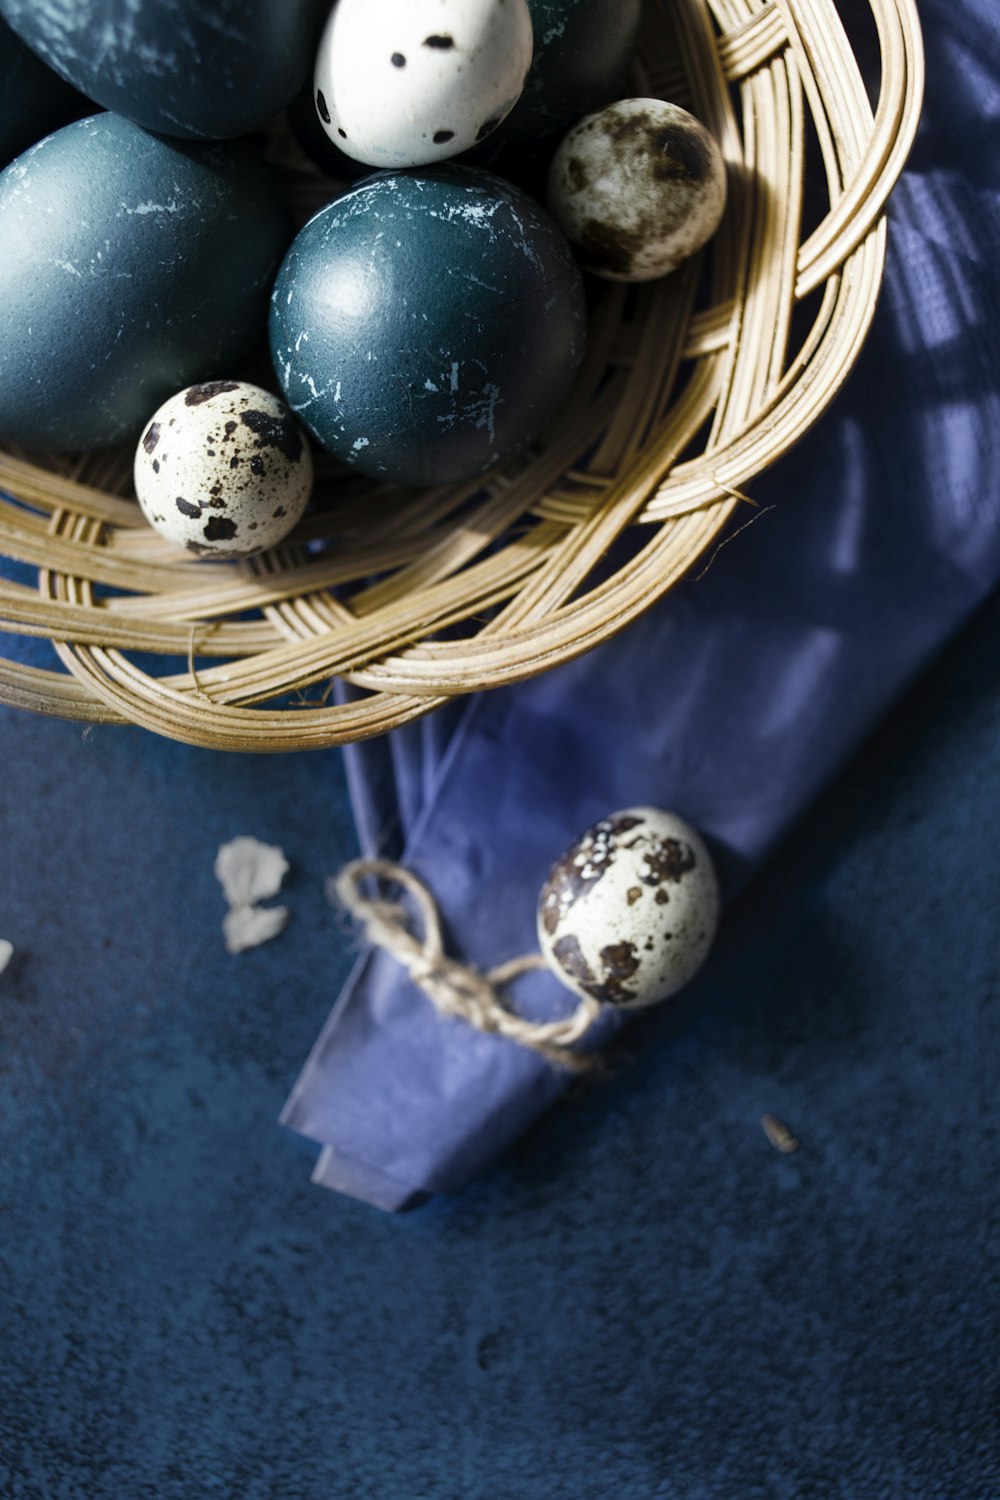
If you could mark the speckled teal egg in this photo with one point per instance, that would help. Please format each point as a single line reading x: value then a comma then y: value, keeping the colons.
x: 426, y: 325
x: 130, y: 267
x: 583, y: 52
x: 199, y: 69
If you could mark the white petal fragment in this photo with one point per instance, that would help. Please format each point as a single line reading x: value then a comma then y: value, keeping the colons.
x: 6, y: 953
x: 250, y: 871
x: 249, y: 926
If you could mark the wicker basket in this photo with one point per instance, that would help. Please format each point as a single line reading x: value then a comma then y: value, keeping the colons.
x: 691, y: 387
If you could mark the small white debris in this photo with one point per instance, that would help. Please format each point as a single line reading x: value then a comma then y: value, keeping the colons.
x: 250, y: 871
x: 779, y: 1135
x: 6, y: 953
x: 249, y: 926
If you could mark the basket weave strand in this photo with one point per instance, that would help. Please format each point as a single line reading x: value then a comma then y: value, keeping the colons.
x: 691, y: 387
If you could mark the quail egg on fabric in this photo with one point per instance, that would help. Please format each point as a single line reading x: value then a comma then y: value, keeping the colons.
x: 637, y: 188
x: 629, y: 912
x: 223, y: 469
x: 407, y: 82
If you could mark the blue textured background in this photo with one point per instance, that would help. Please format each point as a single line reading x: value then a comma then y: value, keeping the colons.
x: 644, y: 1299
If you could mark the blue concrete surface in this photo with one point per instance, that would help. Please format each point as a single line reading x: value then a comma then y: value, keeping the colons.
x: 644, y: 1299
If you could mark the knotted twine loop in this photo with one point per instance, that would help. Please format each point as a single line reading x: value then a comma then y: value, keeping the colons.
x: 456, y: 989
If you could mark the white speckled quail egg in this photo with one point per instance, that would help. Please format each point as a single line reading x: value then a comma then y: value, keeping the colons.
x: 637, y: 188
x: 629, y: 912
x: 223, y: 469
x: 407, y: 82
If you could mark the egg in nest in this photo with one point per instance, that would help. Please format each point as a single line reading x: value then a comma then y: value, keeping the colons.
x: 408, y: 82
x: 223, y: 469
x: 637, y: 188
x: 427, y: 325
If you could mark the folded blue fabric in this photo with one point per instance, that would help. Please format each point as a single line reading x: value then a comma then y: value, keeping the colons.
x: 731, y: 702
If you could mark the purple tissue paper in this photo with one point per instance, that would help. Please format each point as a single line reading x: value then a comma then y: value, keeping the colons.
x: 732, y: 702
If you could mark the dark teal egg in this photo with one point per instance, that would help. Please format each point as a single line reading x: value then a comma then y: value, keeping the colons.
x: 130, y: 266
x: 427, y: 324
x: 199, y: 69
x: 583, y: 51
x: 33, y: 99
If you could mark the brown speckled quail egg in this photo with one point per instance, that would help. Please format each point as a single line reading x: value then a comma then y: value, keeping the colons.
x: 407, y: 82
x: 629, y: 912
x: 223, y: 469
x: 637, y: 188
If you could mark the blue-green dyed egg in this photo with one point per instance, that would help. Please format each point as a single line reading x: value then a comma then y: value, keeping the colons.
x: 33, y: 99
x: 130, y: 266
x: 583, y: 53
x: 427, y: 324
x: 199, y: 69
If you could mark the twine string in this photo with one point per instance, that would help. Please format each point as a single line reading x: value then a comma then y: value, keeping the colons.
x: 454, y: 988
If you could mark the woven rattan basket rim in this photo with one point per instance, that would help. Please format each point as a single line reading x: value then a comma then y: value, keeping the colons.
x: 683, y: 399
